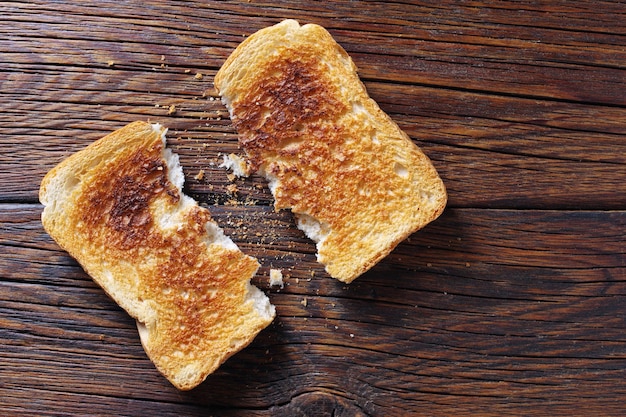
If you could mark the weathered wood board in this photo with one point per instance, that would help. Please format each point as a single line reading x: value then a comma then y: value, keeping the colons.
x: 513, y: 302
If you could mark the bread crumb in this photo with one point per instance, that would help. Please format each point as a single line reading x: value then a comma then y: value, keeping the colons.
x: 200, y: 175
x: 467, y: 264
x: 351, y: 334
x: 304, y: 302
x: 187, y: 71
x: 111, y: 63
x: 249, y: 201
x: 276, y: 278
x: 171, y: 109
x: 232, y: 188
x: 232, y: 202
x: 198, y: 76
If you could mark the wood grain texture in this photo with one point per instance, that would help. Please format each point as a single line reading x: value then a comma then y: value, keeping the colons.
x: 455, y: 318
x: 513, y: 302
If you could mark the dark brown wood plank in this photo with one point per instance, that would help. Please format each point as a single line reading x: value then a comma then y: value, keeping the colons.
x: 483, y: 123
x: 511, y: 303
x: 484, y: 309
x: 545, y: 155
x: 467, y: 49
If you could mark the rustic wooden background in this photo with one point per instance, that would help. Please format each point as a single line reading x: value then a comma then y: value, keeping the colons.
x: 513, y: 302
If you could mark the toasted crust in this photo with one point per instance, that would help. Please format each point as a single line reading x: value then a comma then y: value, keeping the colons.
x: 117, y: 207
x: 354, y: 179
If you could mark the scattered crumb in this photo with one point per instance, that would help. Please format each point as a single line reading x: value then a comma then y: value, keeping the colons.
x: 111, y: 63
x: 276, y: 278
x: 249, y: 201
x: 162, y: 57
x: 467, y: 264
x: 231, y: 202
x: 187, y: 71
x: 171, y: 109
x: 232, y: 188
x: 351, y: 334
x: 198, y: 76
x: 304, y: 302
x: 200, y: 175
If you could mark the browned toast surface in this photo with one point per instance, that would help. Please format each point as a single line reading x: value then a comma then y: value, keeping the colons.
x: 117, y: 207
x: 356, y: 182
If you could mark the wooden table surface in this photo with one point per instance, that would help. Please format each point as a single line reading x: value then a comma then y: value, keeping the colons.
x: 513, y: 302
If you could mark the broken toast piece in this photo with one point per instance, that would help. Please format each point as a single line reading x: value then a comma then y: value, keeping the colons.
x: 117, y: 207
x: 356, y: 183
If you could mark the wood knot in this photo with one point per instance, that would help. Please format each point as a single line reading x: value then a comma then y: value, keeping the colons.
x: 321, y: 404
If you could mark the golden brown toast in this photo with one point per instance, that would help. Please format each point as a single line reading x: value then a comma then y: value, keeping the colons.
x: 356, y: 182
x: 117, y: 207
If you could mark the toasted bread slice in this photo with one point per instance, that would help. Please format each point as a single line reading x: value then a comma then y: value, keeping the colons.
x: 356, y: 182
x: 118, y: 208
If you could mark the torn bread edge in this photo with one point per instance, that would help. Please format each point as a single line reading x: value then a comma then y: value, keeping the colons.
x: 61, y: 183
x: 315, y: 229
x: 214, y: 234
